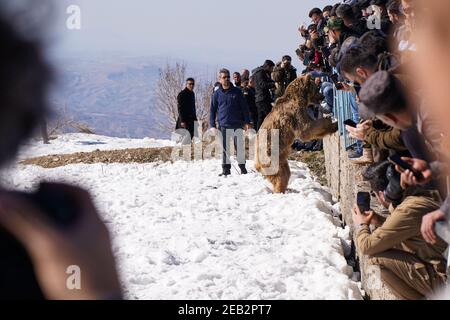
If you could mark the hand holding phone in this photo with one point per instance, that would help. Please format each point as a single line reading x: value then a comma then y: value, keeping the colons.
x: 403, y: 165
x: 350, y: 123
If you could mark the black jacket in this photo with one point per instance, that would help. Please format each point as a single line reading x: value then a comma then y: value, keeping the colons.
x: 263, y: 85
x: 249, y: 95
x: 359, y: 27
x: 186, y: 107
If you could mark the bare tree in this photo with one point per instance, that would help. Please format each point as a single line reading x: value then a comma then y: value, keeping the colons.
x: 203, y: 93
x: 171, y: 82
x: 62, y: 121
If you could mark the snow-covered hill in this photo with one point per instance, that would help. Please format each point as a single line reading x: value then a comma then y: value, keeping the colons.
x: 181, y: 232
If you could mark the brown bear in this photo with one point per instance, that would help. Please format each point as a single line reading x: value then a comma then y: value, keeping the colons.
x: 289, y: 116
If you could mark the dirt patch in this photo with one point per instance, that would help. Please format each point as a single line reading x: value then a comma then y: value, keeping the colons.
x: 141, y: 155
x: 315, y: 162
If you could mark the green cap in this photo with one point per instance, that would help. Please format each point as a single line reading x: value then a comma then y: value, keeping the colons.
x: 334, y: 24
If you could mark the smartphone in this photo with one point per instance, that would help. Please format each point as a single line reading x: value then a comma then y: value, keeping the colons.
x: 350, y: 123
x: 363, y: 201
x: 335, y: 78
x: 396, y: 160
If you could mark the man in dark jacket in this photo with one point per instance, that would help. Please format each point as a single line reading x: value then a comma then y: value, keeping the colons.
x: 263, y: 85
x: 229, y: 106
x: 338, y: 32
x: 187, y: 114
x: 249, y: 94
x: 283, y: 74
x: 345, y: 11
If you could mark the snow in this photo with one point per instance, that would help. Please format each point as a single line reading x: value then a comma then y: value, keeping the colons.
x: 181, y: 232
x: 81, y: 142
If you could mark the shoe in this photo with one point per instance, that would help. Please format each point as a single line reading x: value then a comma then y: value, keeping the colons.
x: 225, y: 173
x: 366, y: 158
x: 243, y: 169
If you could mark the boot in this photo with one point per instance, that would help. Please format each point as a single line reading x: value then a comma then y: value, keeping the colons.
x: 366, y: 158
x: 226, y: 171
x: 243, y: 169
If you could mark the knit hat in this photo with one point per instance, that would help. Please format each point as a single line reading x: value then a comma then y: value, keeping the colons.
x: 383, y: 93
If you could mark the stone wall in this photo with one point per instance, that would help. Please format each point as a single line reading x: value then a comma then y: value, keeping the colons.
x: 345, y: 181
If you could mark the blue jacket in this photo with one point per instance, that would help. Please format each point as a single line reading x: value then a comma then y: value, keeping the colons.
x: 230, y: 108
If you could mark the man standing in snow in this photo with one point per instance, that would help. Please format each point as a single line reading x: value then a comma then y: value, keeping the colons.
x: 229, y: 106
x: 283, y: 74
x: 263, y: 87
x: 187, y: 114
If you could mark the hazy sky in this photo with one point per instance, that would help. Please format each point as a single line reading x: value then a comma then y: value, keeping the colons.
x: 233, y: 33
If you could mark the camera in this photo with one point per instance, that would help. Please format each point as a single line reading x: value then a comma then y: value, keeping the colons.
x: 56, y: 204
x: 17, y: 277
x: 394, y: 191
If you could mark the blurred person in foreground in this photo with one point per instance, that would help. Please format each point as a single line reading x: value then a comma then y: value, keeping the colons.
x: 432, y: 36
x: 35, y: 251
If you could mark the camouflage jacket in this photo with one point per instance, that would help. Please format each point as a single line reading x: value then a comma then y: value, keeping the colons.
x: 283, y: 77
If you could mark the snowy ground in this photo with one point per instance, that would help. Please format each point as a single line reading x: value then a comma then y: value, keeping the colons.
x: 80, y: 142
x: 181, y: 232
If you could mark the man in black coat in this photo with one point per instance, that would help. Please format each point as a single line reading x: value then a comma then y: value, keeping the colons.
x: 187, y: 114
x: 263, y: 86
x: 249, y: 94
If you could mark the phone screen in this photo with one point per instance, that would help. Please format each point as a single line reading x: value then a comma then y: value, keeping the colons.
x: 363, y: 201
x: 350, y: 123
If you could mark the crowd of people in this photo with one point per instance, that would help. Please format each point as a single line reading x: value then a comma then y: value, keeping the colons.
x: 369, y: 49
x: 372, y: 50
x: 381, y: 52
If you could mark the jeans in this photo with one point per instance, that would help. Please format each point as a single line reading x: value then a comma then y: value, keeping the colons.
x: 356, y: 119
x: 327, y: 91
x: 239, y: 144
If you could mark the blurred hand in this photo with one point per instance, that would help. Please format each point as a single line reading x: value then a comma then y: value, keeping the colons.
x: 377, y: 220
x: 53, y: 249
x: 248, y: 126
x: 359, y: 218
x: 428, y: 223
x: 360, y: 131
x: 314, y: 35
x: 214, y: 131
x: 183, y: 125
x: 407, y: 177
x: 302, y: 30
x: 347, y: 87
x: 382, y: 199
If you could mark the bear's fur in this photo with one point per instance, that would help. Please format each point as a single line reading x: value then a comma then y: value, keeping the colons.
x: 289, y: 116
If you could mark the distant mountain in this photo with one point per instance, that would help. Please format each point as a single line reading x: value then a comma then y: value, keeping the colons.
x: 112, y: 95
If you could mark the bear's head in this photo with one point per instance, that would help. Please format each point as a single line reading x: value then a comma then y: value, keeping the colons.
x: 303, y: 90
